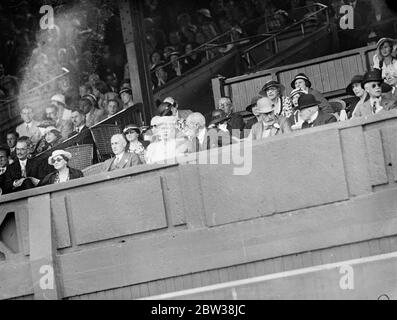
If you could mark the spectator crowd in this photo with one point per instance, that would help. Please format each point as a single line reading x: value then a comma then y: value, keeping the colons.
x: 95, y: 87
x: 176, y: 131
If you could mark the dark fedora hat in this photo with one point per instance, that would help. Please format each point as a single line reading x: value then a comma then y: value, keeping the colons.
x: 307, y: 101
x: 303, y: 77
x: 253, y: 103
x: 356, y: 79
x: 372, y: 76
x: 218, y: 116
x: 272, y: 83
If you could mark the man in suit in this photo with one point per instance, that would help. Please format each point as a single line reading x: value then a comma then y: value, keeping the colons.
x: 29, y: 126
x: 24, y: 173
x: 236, y: 121
x: 78, y: 120
x: 196, y: 133
x: 372, y: 84
x: 301, y: 81
x: 269, y: 124
x: 12, y: 138
x: 128, y: 102
x: 122, y: 158
x: 4, y: 154
x: 311, y: 114
x: 64, y: 126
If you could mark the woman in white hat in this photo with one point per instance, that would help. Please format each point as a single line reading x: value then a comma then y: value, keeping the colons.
x: 167, y: 146
x: 59, y: 159
x: 384, y: 58
x: 52, y: 137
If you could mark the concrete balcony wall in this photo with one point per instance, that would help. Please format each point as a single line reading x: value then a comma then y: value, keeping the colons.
x: 330, y: 188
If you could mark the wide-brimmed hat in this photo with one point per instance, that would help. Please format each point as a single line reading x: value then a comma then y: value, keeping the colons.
x: 307, y: 101
x: 57, y: 153
x: 254, y: 100
x: 218, y: 116
x: 272, y: 83
x: 383, y: 40
x: 263, y: 105
x: 303, y: 77
x: 356, y: 79
x: 51, y: 129
x: 125, y: 89
x: 58, y: 98
x: 372, y: 76
x: 47, y: 123
x: 131, y: 127
x: 205, y: 12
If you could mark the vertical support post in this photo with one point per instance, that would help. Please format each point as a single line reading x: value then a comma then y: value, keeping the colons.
x: 218, y: 90
x: 45, y: 276
x: 131, y: 16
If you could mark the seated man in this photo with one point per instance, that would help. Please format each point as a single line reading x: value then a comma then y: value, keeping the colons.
x: 128, y: 102
x: 302, y: 82
x: 78, y: 120
x: 4, y: 154
x: 269, y: 124
x: 122, y: 158
x: 29, y: 126
x: 196, y: 132
x: 236, y: 121
x: 311, y: 114
x: 24, y: 173
x: 12, y: 138
x: 371, y: 83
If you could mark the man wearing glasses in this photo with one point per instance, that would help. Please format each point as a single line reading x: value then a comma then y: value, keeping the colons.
x: 376, y: 102
x: 24, y: 173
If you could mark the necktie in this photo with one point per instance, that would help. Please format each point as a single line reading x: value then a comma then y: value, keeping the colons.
x: 23, y: 172
x: 374, y: 107
x: 27, y: 130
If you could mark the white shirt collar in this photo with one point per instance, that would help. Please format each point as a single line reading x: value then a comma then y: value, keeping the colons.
x: 118, y: 157
x: 23, y: 162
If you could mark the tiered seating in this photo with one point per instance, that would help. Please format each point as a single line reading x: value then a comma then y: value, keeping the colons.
x: 329, y: 74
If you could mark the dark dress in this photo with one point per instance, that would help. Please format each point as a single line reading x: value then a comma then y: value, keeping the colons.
x: 50, y: 178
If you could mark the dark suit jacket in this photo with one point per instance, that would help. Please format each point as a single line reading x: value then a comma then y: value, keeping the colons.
x: 322, y: 118
x: 325, y: 106
x: 128, y: 160
x: 14, y: 173
x: 236, y: 122
x: 50, y: 178
x: 84, y: 135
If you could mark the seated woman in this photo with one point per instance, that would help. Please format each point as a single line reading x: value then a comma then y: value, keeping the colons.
x: 355, y: 90
x: 63, y: 173
x: 274, y: 90
x: 166, y: 147
x: 52, y: 137
x: 113, y: 106
x: 89, y: 105
x: 132, y: 134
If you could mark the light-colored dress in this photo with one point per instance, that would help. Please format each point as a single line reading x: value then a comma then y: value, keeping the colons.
x: 165, y: 151
x: 138, y: 149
